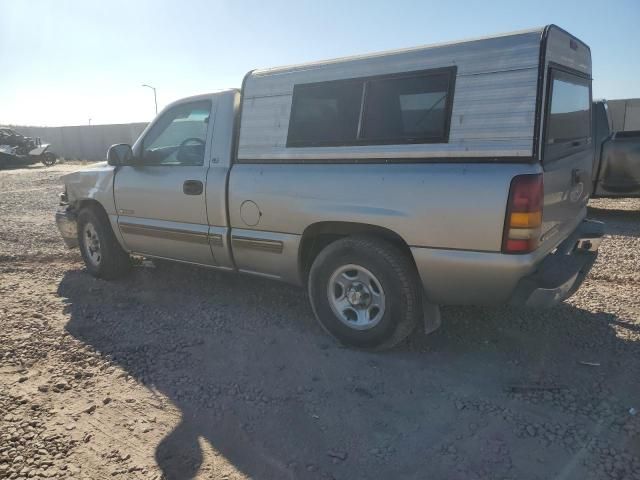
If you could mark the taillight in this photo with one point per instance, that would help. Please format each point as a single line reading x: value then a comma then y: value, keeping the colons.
x: 524, y: 214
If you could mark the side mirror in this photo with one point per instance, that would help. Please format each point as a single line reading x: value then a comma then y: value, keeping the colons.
x: 120, y: 155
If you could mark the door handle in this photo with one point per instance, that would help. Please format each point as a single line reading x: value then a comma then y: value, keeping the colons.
x: 192, y: 187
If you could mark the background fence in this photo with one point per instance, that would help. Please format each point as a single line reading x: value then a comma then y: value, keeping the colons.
x: 85, y: 142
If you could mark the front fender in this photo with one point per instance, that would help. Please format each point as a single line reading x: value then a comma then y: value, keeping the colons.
x: 94, y: 182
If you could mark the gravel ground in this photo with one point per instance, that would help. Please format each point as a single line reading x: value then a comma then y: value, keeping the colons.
x: 181, y: 372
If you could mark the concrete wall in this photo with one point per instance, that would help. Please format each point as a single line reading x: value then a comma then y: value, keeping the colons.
x: 86, y: 142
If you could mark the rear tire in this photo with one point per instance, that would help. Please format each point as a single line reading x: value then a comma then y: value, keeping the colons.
x: 49, y: 159
x: 365, y: 292
x: 101, y: 252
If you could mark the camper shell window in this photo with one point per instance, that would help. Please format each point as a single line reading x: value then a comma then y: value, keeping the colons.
x: 569, y: 119
x: 389, y: 109
x: 325, y: 113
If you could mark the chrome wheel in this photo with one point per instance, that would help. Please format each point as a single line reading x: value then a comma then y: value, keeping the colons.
x: 91, y: 244
x: 356, y: 297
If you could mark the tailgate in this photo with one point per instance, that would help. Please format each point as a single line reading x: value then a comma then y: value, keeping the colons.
x: 567, y: 155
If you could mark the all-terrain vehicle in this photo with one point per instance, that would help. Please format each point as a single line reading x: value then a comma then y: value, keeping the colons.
x: 16, y: 149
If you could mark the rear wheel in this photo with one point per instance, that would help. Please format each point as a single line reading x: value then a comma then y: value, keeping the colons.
x: 102, y: 254
x: 49, y: 158
x: 364, y: 291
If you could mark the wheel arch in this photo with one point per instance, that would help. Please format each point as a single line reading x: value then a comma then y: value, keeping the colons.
x: 91, y: 203
x: 319, y: 235
x: 97, y: 207
x: 113, y: 260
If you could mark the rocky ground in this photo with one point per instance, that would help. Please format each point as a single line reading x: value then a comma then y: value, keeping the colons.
x: 181, y: 372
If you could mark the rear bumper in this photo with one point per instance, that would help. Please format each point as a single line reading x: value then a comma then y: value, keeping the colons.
x: 462, y: 277
x: 562, y: 272
x: 66, y: 220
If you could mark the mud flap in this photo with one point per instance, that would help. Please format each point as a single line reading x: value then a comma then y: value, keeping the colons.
x: 431, y: 315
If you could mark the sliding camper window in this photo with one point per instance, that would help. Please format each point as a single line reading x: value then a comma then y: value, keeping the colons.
x: 325, y: 113
x: 569, y: 117
x: 389, y: 109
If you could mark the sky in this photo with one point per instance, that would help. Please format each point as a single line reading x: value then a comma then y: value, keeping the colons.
x: 63, y: 62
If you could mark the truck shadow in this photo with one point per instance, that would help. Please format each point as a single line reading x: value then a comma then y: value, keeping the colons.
x: 252, y: 374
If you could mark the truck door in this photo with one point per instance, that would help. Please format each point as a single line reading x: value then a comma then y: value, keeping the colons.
x: 567, y: 154
x: 160, y: 200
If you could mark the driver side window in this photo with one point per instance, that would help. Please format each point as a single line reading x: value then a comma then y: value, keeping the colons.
x: 179, y: 136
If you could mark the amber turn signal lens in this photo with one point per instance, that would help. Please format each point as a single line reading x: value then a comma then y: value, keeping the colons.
x: 525, y: 220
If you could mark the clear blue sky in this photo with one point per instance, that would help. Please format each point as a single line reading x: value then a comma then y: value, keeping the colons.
x: 63, y: 62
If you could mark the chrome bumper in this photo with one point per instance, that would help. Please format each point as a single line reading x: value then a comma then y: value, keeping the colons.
x: 67, y: 226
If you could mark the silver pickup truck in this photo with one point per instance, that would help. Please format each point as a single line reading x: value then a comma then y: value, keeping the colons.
x: 386, y: 184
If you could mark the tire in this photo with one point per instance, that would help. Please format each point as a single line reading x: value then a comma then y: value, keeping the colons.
x: 365, y: 292
x: 49, y: 159
x: 101, y: 252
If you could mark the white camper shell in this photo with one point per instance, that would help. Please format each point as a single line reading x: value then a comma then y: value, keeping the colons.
x: 491, y: 107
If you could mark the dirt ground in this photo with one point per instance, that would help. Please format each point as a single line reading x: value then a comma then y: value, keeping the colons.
x: 180, y: 372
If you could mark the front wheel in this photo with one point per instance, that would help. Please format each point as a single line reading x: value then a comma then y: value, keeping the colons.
x: 365, y: 292
x: 49, y: 159
x: 101, y: 252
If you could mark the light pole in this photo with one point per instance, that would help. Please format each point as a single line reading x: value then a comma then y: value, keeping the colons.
x: 155, y: 100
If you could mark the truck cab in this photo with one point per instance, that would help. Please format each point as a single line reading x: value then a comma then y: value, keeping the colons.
x: 172, y: 202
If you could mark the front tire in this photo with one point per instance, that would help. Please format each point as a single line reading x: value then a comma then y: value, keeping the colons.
x: 101, y: 252
x: 365, y: 292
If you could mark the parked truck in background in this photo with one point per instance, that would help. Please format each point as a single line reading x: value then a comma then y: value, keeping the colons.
x: 386, y: 184
x: 616, y: 168
x: 624, y: 114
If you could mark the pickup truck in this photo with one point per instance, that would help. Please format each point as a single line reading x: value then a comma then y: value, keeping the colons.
x: 616, y: 169
x: 386, y: 185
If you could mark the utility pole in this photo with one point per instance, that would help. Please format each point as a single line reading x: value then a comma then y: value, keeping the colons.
x: 155, y: 99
